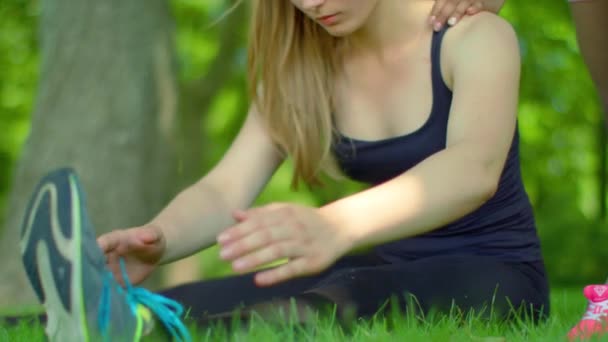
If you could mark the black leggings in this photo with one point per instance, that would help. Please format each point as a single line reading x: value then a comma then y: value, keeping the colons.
x: 365, y: 283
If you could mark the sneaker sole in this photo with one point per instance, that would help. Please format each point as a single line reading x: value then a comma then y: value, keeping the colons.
x: 51, y: 252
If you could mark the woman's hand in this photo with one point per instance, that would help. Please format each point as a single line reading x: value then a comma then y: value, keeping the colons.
x: 451, y: 11
x: 309, y: 241
x: 140, y: 247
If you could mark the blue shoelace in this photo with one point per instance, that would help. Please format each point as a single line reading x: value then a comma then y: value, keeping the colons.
x: 167, y: 311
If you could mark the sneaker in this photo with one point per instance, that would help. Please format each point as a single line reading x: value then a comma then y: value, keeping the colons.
x: 67, y: 271
x: 594, y: 321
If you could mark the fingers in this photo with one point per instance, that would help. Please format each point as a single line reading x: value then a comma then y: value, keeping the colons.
x: 257, y: 239
x: 296, y: 268
x: 112, y: 262
x: 146, y: 236
x: 110, y: 241
x: 442, y: 10
x: 436, y: 10
x: 248, y: 222
x: 458, y: 13
x: 237, y: 232
x: 475, y: 8
x: 270, y: 234
x: 239, y: 215
x: 450, y: 12
x: 140, y: 248
x: 123, y: 240
x: 271, y: 253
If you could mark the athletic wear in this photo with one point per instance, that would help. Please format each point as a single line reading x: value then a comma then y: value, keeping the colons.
x: 488, y: 261
x: 503, y: 227
x: 67, y: 271
x: 489, y: 256
x: 363, y: 284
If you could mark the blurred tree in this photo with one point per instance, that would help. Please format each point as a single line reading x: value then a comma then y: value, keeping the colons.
x: 18, y: 62
x: 563, y: 159
x: 106, y: 105
x: 199, y: 92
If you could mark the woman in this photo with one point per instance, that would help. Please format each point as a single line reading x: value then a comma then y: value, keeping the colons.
x: 369, y: 90
x: 588, y: 18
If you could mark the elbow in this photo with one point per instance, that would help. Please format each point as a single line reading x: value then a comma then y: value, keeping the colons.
x: 487, y: 185
x: 489, y: 191
x: 484, y: 179
x: 485, y: 173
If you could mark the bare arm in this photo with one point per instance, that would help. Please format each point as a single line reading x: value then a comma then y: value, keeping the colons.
x: 482, y: 63
x: 193, y: 219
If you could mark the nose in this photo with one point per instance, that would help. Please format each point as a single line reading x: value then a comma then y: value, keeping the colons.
x: 311, y: 4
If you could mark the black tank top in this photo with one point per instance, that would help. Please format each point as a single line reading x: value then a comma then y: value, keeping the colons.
x: 503, y: 227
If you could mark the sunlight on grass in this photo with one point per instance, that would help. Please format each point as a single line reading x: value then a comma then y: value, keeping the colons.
x: 23, y: 332
x: 567, y: 307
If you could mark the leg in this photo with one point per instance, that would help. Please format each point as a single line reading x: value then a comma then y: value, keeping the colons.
x: 222, y: 296
x: 65, y: 266
x: 469, y: 282
x: 67, y: 271
x: 589, y: 18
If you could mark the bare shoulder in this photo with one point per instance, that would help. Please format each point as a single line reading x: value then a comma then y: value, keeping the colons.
x: 484, y: 39
x: 482, y: 28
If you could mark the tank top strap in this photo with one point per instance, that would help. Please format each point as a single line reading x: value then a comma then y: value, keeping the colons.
x: 442, y: 95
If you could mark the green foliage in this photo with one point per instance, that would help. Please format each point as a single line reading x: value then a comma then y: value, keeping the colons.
x: 18, y: 63
x: 559, y: 121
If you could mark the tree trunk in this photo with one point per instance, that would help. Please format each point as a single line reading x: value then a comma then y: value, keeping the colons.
x: 106, y: 105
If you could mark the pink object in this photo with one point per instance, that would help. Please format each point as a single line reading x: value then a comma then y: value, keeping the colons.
x: 595, y: 319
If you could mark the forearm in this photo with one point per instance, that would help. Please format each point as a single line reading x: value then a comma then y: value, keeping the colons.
x: 192, y: 221
x: 441, y: 189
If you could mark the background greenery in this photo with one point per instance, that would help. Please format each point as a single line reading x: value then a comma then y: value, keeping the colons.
x: 563, y: 146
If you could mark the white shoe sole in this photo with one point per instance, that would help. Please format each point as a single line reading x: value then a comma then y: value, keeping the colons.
x: 63, y: 325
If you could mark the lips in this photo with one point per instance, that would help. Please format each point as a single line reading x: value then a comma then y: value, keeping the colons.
x: 328, y: 19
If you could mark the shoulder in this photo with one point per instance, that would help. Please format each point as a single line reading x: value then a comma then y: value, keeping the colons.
x: 485, y: 40
x: 480, y: 30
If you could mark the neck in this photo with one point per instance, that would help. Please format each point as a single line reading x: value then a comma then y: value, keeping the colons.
x: 393, y: 25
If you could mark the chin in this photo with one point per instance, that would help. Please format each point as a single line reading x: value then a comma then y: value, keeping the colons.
x: 339, y: 30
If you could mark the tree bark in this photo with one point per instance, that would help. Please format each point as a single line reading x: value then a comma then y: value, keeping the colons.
x: 106, y: 106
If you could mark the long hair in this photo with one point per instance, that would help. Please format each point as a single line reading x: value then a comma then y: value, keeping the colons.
x: 291, y: 63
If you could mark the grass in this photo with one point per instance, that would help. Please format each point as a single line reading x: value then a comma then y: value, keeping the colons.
x: 567, y: 307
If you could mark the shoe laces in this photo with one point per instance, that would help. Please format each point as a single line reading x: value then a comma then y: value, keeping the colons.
x: 167, y: 311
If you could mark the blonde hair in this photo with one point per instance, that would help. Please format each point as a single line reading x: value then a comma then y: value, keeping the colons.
x: 292, y: 60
